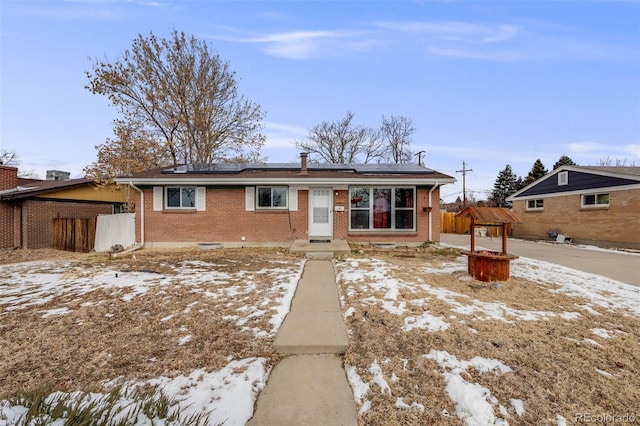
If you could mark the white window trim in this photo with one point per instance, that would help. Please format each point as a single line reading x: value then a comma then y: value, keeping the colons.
x: 596, y: 205
x: 563, y: 178
x: 393, y: 209
x: 527, y: 208
x: 166, y: 197
x: 257, y: 198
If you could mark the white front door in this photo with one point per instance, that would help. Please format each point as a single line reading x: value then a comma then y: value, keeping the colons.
x: 320, y: 214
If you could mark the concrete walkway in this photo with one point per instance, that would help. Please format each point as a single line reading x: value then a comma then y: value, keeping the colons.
x: 618, y: 266
x: 310, y: 387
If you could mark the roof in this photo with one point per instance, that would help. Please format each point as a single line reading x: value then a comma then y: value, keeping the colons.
x: 287, y: 174
x: 579, y: 180
x: 490, y: 214
x: 32, y: 188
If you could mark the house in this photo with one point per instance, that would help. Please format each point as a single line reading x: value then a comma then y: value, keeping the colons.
x: 598, y: 205
x: 28, y: 206
x: 243, y: 204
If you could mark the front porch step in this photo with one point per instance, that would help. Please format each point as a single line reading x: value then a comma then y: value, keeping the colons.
x: 334, y: 248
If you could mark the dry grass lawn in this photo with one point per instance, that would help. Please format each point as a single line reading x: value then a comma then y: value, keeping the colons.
x: 554, y: 360
x: 107, y: 336
x: 559, y: 366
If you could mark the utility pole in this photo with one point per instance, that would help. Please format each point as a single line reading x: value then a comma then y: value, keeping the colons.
x: 419, y: 154
x: 464, y: 172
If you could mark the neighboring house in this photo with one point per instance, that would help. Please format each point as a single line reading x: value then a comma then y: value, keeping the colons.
x: 28, y: 206
x: 598, y: 205
x: 243, y: 204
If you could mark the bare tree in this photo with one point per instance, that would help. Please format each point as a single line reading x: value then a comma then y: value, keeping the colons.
x: 179, y: 95
x: 396, y: 134
x: 609, y: 162
x: 11, y: 158
x: 342, y: 142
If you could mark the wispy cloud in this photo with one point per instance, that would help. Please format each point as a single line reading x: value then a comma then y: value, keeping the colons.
x: 454, y: 31
x: 597, y: 151
x: 294, y: 44
x: 281, y: 135
x: 498, y: 42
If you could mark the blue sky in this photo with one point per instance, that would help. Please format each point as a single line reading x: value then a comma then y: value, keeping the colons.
x: 488, y: 83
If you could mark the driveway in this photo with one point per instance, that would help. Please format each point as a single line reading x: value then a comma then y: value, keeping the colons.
x: 623, y: 267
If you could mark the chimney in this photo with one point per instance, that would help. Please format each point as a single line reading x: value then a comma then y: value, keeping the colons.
x: 8, y: 177
x: 57, y: 175
x: 303, y: 163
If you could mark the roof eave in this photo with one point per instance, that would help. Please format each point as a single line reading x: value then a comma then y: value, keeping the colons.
x: 369, y: 180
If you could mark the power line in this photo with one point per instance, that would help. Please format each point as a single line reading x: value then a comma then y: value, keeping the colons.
x: 464, y: 172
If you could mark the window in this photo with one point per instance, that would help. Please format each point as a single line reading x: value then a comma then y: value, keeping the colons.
x: 595, y: 200
x: 272, y: 197
x: 563, y: 178
x: 535, y: 204
x: 183, y: 197
x: 382, y: 208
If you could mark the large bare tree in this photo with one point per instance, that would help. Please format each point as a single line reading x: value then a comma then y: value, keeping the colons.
x: 396, y: 132
x: 342, y: 142
x: 179, y: 95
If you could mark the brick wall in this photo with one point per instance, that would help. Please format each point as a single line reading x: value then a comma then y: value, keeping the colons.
x: 8, y: 177
x: 226, y: 220
x: 38, y: 218
x: 619, y: 223
x: 8, y: 180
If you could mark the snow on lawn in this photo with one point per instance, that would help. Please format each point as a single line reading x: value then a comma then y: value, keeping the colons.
x: 228, y: 394
x: 374, y: 282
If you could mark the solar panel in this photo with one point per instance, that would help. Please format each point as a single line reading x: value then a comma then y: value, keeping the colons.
x: 391, y: 168
x: 239, y: 167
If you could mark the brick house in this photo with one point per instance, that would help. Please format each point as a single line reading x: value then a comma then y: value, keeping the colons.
x: 278, y: 203
x: 28, y: 206
x: 599, y: 205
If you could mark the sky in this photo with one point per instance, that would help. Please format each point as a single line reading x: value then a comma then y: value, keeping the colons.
x: 486, y: 83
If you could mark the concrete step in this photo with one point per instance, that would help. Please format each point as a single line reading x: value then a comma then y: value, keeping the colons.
x: 336, y: 248
x: 312, y: 333
x: 306, y: 390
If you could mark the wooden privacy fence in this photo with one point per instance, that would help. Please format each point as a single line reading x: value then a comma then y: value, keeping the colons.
x: 71, y: 234
x: 450, y: 223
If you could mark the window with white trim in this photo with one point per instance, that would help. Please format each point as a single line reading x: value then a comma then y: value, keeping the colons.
x: 537, y: 204
x: 271, y: 197
x: 382, y: 209
x: 595, y: 200
x: 180, y: 197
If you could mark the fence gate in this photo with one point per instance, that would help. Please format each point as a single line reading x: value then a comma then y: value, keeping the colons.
x: 71, y: 234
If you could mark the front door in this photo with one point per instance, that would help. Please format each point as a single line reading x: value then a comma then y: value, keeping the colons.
x: 320, y: 214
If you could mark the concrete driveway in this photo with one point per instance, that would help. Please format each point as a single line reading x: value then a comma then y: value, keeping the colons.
x: 618, y: 266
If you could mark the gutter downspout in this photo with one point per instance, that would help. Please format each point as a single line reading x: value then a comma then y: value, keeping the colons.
x: 430, y: 209
x: 141, y: 212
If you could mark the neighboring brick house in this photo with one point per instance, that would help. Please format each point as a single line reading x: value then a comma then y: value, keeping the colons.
x: 244, y: 204
x: 28, y: 206
x: 599, y: 205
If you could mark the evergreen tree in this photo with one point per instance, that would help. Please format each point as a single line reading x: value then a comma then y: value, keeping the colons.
x: 537, y: 171
x: 506, y: 184
x: 564, y: 161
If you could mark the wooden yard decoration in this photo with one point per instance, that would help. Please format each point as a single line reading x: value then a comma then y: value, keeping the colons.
x: 485, y: 265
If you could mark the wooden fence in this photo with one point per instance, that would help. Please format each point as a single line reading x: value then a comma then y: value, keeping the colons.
x: 452, y: 224
x: 74, y: 234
